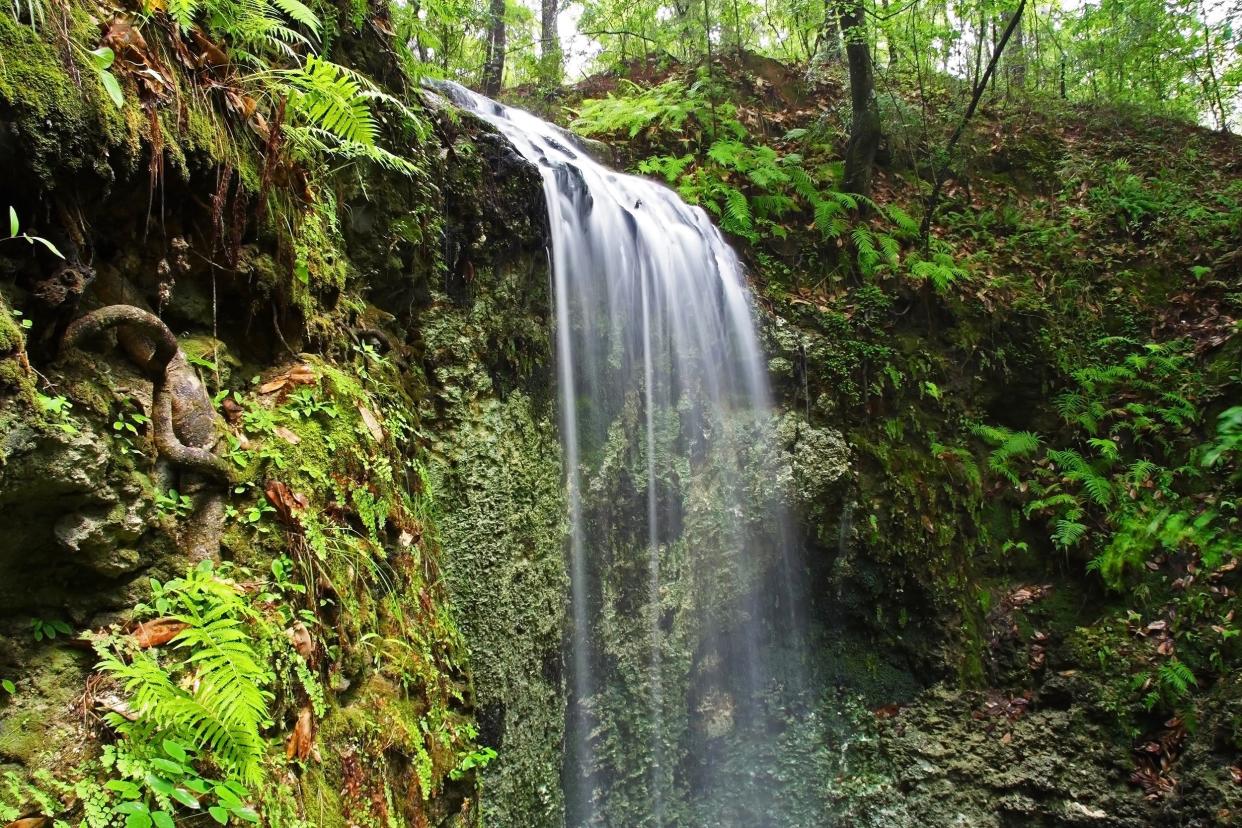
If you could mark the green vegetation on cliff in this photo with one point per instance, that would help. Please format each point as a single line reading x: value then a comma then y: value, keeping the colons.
x: 1011, y: 431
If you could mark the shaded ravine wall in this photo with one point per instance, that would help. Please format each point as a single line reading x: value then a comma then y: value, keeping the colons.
x: 497, y: 470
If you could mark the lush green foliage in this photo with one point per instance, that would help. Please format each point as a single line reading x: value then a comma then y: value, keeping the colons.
x: 224, y: 712
x: 753, y: 189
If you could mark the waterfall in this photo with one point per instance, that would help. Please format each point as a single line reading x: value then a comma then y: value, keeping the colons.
x: 683, y: 640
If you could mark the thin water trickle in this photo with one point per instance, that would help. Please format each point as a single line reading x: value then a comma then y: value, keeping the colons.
x: 652, y: 310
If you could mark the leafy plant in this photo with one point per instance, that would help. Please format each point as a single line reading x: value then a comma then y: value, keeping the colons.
x: 16, y: 234
x: 330, y: 114
x: 102, y: 59
x: 479, y: 758
x: 57, y: 409
x: 173, y: 502
x: 43, y: 629
x: 221, y: 714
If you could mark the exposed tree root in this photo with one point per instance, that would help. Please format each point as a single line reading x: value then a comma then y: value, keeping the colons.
x: 182, y: 416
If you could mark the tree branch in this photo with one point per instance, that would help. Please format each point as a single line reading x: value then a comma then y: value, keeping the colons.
x: 934, y: 200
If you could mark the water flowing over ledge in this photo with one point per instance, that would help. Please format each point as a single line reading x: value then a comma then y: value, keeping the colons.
x: 683, y: 574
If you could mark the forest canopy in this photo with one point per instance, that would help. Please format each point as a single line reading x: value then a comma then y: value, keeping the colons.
x: 1181, y: 58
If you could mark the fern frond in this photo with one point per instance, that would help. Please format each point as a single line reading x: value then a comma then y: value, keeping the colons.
x: 828, y: 218
x: 327, y: 96
x: 1068, y: 533
x: 736, y: 215
x: 299, y: 13
x: 804, y: 185
x: 902, y: 219
x: 183, y: 12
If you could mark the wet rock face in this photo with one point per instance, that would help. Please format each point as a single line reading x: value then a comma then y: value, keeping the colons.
x: 819, y: 460
x: 969, y: 759
x: 76, y: 523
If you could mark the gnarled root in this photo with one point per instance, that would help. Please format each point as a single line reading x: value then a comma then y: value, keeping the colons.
x: 182, y: 416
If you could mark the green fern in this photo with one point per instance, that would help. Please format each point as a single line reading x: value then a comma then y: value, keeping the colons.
x: 326, y: 96
x: 214, y: 697
x: 865, y: 244
x: 829, y: 219
x: 902, y: 219
x: 1008, y: 446
x: 1176, y: 679
x: 735, y: 215
x: 299, y: 13
x: 1068, y: 532
x: 330, y: 115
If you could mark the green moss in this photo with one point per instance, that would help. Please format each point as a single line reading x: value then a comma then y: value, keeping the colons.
x: 63, y: 126
x: 33, y: 731
x: 496, y: 470
x: 17, y: 380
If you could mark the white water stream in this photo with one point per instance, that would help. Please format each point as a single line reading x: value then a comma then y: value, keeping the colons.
x: 652, y: 306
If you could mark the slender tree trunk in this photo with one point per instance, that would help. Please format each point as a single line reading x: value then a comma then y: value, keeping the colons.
x: 494, y: 67
x: 1015, y: 57
x: 983, y: 29
x: 549, y: 45
x: 828, y: 46
x: 942, y: 174
x: 865, y: 124
x: 1214, y: 90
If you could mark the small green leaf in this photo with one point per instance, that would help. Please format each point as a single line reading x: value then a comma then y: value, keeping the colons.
x: 114, y: 88
x: 162, y: 819
x: 102, y: 57
x: 159, y: 784
x: 175, y: 749
x: 51, y: 247
x: 13, y: 225
x: 8, y: 686
x: 247, y: 814
x: 168, y: 766
x: 237, y: 788
x: 185, y: 798
x: 138, y: 819
x: 126, y: 789
x: 219, y: 814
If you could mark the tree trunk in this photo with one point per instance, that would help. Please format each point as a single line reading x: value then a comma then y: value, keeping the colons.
x: 549, y: 45
x: 943, y: 172
x: 828, y: 46
x: 865, y: 124
x: 1015, y: 57
x: 494, y: 67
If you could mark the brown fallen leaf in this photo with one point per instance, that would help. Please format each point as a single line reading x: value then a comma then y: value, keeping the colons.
x: 372, y: 423
x: 158, y: 632
x: 302, y: 739
x: 232, y: 411
x: 300, y: 374
x: 30, y: 822
x: 302, y: 641
x: 287, y: 435
x: 285, y: 501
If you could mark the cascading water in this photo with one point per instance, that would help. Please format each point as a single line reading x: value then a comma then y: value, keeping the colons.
x: 684, y: 635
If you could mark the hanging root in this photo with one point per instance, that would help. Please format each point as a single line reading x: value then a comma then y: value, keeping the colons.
x: 182, y: 416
